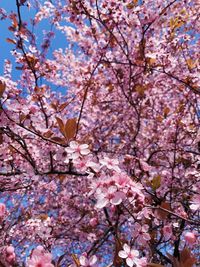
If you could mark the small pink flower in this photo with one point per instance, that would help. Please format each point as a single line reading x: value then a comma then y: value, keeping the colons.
x: 145, y: 166
x: 80, y: 164
x: 10, y: 254
x: 40, y: 258
x: 76, y: 151
x: 85, y: 262
x: 190, y: 238
x: 129, y: 254
x: 195, y: 203
x: 167, y: 231
x: 94, y: 221
x: 111, y: 164
x: 10, y: 249
x: 141, y: 262
x: 141, y: 233
x: 121, y: 179
x: 110, y: 195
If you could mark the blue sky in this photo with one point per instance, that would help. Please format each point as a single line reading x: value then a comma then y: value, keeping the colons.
x: 5, y: 47
x: 10, y: 6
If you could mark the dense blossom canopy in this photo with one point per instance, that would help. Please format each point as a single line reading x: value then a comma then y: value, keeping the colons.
x: 103, y: 171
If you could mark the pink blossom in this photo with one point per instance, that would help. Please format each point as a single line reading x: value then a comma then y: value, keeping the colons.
x: 145, y: 213
x: 76, y: 150
x: 129, y: 254
x: 141, y: 233
x: 121, y: 179
x: 195, y: 203
x: 40, y: 258
x: 141, y: 262
x: 110, y: 195
x: 145, y: 166
x: 111, y: 164
x: 167, y: 231
x: 10, y: 249
x: 190, y: 238
x: 80, y: 164
x: 94, y: 221
x: 87, y: 262
x: 10, y: 254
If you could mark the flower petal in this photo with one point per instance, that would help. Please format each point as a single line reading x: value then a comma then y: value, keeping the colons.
x: 117, y: 199
x: 112, y: 189
x: 134, y: 253
x: 129, y: 262
x: 73, y: 144
x: 101, y: 203
x: 122, y: 254
x: 83, y: 260
x: 85, y: 151
x: 83, y: 146
x: 92, y: 260
x: 126, y: 248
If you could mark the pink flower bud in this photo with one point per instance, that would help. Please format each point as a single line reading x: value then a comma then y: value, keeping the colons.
x: 10, y: 250
x: 93, y: 222
x: 190, y: 238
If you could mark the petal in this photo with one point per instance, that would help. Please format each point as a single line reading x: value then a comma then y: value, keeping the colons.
x: 85, y: 151
x: 146, y: 236
x: 101, y: 203
x: 116, y: 168
x: 75, y: 155
x: 92, y: 260
x: 115, y: 161
x: 102, y: 161
x: 73, y: 144
x: 122, y: 254
x: 137, y: 227
x: 69, y: 150
x: 134, y: 253
x: 117, y: 199
x: 129, y: 262
x: 83, y: 146
x: 126, y: 248
x: 194, y: 206
x: 145, y: 228
x: 83, y: 260
x: 112, y: 189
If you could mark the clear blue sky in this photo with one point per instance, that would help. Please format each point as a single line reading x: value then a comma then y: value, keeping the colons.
x: 5, y: 48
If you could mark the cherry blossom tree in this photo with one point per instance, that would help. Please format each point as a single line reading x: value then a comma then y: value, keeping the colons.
x: 103, y: 171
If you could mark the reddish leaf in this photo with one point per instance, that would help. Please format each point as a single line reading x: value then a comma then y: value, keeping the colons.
x: 11, y: 41
x: 70, y: 128
x: 19, y: 68
x: 161, y: 213
x: 63, y: 105
x: 61, y: 125
x: 187, y: 258
x: 2, y: 88
x: 48, y: 134
x: 58, y: 140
